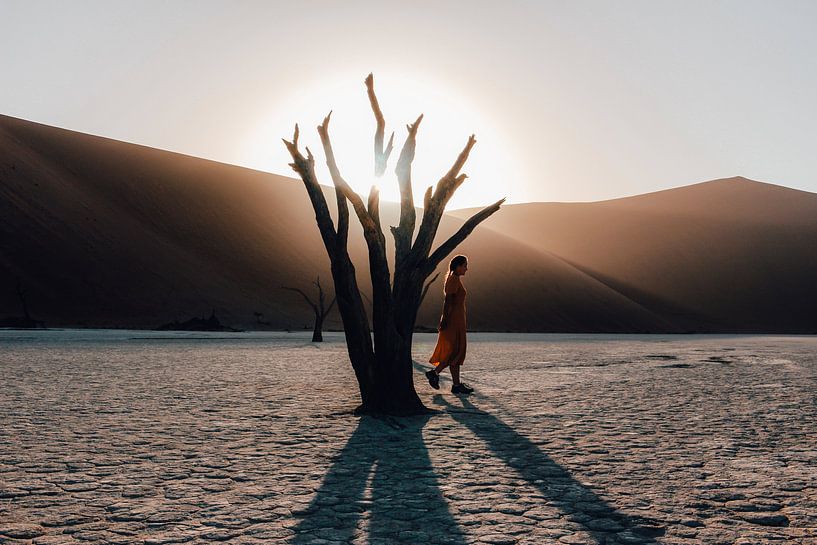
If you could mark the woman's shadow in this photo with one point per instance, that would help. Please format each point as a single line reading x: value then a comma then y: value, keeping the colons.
x: 577, y: 502
x: 382, y: 488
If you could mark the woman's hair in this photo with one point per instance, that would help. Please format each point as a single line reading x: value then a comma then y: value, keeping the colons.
x: 455, y: 262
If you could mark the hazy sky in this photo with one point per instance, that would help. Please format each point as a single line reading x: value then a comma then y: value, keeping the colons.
x: 570, y: 100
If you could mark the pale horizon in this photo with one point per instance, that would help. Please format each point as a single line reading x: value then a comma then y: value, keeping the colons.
x: 569, y: 103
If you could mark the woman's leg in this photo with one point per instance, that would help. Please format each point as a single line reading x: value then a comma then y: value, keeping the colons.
x: 440, y: 366
x: 455, y: 373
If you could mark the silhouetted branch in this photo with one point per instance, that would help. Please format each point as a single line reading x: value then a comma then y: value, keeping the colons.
x: 329, y: 308
x: 405, y: 229
x: 435, y: 206
x: 305, y: 167
x: 374, y: 207
x: 381, y: 158
x: 378, y: 264
x: 305, y: 296
x: 340, y: 183
x: 448, y: 246
x: 428, y: 285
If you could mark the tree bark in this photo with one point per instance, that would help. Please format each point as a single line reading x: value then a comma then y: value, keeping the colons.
x: 317, y: 331
x: 381, y: 357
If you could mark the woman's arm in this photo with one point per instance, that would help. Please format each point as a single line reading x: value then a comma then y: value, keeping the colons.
x: 451, y: 287
x: 449, y: 302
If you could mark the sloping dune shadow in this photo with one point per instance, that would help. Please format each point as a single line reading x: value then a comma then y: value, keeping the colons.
x: 381, y: 489
x: 606, y: 524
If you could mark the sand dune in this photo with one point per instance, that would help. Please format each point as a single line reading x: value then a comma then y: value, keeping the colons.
x: 109, y: 234
x: 725, y: 255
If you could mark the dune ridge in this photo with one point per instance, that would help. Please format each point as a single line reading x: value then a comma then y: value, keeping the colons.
x: 730, y: 254
x: 110, y: 234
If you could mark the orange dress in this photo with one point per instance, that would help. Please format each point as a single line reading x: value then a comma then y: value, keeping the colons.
x: 451, y: 340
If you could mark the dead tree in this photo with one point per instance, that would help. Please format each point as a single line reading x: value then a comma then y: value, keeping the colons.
x: 321, y: 311
x: 259, y: 318
x: 383, y: 365
x: 422, y: 296
x: 21, y: 294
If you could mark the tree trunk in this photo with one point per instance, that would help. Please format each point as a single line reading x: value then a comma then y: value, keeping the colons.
x: 21, y: 293
x: 392, y: 388
x: 317, y: 331
x: 393, y: 366
x: 319, y: 308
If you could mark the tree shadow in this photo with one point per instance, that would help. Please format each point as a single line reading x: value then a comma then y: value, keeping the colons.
x: 381, y: 489
x: 578, y: 503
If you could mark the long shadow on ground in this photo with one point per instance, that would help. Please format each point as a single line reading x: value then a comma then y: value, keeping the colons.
x: 579, y: 504
x: 402, y: 504
x: 382, y: 489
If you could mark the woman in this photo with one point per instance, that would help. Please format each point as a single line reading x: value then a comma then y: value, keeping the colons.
x: 450, y: 349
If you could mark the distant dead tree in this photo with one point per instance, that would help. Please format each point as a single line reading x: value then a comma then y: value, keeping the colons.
x: 21, y: 294
x: 25, y: 321
x: 383, y: 366
x: 321, y: 311
x: 259, y: 318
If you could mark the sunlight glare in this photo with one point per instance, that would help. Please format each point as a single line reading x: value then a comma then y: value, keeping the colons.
x: 449, y: 118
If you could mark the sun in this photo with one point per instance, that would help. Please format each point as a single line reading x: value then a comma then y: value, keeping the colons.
x: 449, y: 119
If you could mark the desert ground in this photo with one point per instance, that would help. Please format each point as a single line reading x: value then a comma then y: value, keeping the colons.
x: 148, y: 437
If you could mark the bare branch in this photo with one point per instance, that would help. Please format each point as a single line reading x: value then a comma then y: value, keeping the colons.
x: 448, y: 183
x: 403, y: 167
x: 305, y: 296
x: 435, y: 206
x: 381, y: 158
x: 405, y: 229
x: 320, y: 294
x: 387, y: 153
x: 375, y: 241
x: 356, y: 324
x: 329, y: 308
x: 428, y: 285
x: 343, y: 219
x: 429, y: 264
x: 458, y: 182
x: 427, y: 198
x: 357, y: 203
x: 374, y: 206
x: 305, y: 167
